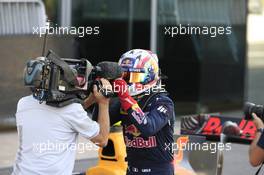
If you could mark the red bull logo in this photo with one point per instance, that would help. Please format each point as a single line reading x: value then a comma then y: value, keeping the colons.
x: 127, y: 63
x: 139, y: 142
x: 131, y: 129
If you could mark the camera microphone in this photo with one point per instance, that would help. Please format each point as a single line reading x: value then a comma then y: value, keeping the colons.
x: 108, y: 70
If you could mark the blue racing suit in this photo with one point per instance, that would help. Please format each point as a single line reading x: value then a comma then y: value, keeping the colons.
x: 146, y: 134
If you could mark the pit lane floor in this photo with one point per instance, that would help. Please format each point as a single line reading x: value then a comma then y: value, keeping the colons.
x: 235, y: 161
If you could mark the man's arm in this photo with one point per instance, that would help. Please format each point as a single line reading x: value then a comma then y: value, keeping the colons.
x: 103, y: 121
x: 147, y: 124
x: 150, y: 123
x: 256, y: 150
x: 103, y: 115
x: 114, y: 111
x: 89, y: 101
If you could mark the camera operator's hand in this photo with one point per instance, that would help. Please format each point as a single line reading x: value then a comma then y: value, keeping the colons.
x: 99, y: 97
x: 103, y: 114
x: 120, y: 87
x: 257, y: 121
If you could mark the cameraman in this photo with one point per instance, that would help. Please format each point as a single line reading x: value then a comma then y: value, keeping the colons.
x: 256, y: 150
x: 41, y: 124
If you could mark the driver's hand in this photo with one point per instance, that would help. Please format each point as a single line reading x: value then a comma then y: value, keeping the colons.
x: 99, y: 98
x: 120, y: 87
x: 257, y: 121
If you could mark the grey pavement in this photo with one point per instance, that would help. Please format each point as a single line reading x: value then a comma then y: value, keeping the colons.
x: 9, y: 145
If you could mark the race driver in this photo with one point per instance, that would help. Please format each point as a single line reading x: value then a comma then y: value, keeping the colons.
x: 146, y: 113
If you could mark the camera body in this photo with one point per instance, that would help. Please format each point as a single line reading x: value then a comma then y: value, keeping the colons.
x: 253, y: 108
x: 59, y: 81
